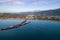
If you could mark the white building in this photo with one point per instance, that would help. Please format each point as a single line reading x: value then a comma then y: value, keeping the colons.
x: 31, y: 16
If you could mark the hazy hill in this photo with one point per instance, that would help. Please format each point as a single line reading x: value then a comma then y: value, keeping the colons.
x: 47, y: 12
x: 50, y: 12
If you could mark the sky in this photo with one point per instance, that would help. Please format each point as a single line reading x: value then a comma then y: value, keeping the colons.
x: 28, y: 5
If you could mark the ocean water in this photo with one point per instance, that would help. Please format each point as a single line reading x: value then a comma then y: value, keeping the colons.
x: 36, y: 30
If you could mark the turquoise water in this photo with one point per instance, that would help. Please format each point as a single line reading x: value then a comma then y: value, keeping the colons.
x: 36, y: 30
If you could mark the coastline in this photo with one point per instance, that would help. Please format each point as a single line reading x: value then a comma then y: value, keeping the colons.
x: 31, y: 19
x: 12, y: 19
x: 51, y: 20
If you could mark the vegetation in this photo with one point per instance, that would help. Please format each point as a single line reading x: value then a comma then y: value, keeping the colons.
x: 39, y: 15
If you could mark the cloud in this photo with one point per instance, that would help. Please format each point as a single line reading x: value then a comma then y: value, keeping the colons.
x: 40, y: 2
x: 13, y: 2
x: 27, y: 2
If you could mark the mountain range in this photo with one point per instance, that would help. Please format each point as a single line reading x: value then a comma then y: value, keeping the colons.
x: 46, y: 12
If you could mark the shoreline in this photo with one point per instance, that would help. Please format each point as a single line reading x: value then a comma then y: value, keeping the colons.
x: 12, y: 19
x: 32, y: 19
x: 51, y: 20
